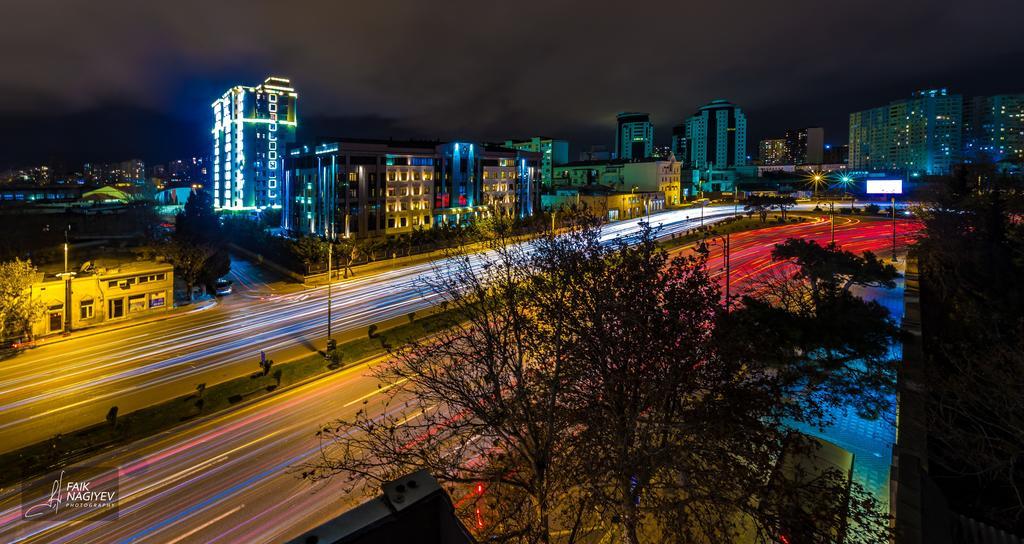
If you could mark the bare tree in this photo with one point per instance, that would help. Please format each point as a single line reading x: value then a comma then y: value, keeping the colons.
x: 477, y: 403
x: 584, y: 387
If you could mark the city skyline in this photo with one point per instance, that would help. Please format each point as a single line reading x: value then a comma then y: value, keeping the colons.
x: 132, y: 97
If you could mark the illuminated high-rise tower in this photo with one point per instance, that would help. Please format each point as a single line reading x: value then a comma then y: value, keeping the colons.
x: 717, y: 136
x: 634, y: 136
x: 922, y: 134
x: 252, y: 128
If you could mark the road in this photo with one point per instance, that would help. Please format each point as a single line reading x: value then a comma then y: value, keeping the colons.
x: 226, y: 479
x: 64, y: 386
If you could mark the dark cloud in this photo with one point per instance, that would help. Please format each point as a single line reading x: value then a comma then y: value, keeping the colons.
x: 456, y: 68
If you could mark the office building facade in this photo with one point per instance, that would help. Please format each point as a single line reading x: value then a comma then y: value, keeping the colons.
x: 716, y: 136
x: 253, y: 126
x: 552, y: 152
x: 680, y: 145
x: 805, y: 145
x: 797, y: 146
x: 773, y: 151
x: 364, y: 188
x: 919, y: 135
x: 634, y: 136
x: 649, y: 175
x: 994, y: 128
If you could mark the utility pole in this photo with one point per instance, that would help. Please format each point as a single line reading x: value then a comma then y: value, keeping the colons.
x: 702, y: 213
x: 728, y: 278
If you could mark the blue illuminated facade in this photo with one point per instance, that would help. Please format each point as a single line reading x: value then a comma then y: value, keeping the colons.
x: 253, y: 126
x: 364, y: 188
x: 922, y: 134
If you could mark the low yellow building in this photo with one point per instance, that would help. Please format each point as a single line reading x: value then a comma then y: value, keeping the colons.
x: 604, y: 202
x: 104, y: 295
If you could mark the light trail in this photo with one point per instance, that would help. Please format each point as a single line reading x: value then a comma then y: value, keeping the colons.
x: 225, y: 478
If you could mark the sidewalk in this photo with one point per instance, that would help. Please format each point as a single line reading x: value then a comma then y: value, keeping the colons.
x: 177, y: 311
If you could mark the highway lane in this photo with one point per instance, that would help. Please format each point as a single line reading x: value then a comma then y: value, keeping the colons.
x: 223, y: 479
x: 227, y: 479
x: 60, y: 387
x: 751, y: 251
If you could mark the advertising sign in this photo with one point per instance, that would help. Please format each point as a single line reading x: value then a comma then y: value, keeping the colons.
x: 885, y: 186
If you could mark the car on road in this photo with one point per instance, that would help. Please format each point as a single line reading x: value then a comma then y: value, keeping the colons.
x: 223, y: 287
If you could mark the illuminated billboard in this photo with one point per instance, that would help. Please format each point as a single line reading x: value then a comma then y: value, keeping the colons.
x: 885, y: 186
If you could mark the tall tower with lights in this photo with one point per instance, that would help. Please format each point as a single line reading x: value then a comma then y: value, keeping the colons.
x: 717, y: 136
x: 252, y: 127
x: 634, y: 136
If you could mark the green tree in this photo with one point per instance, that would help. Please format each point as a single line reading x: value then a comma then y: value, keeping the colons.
x: 784, y: 203
x: 760, y: 204
x: 17, y: 309
x: 310, y: 250
x: 347, y: 251
x: 198, y: 222
x: 972, y: 304
x: 190, y: 261
x: 198, y: 248
x: 805, y: 318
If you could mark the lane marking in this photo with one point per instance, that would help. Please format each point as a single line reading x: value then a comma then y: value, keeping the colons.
x: 205, y: 525
x: 372, y: 393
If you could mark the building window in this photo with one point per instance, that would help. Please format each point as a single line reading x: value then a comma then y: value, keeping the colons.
x: 157, y: 300
x: 85, y: 309
x: 115, y: 308
x: 391, y: 222
x: 136, y: 303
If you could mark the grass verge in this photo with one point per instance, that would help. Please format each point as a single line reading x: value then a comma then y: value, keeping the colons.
x: 64, y: 449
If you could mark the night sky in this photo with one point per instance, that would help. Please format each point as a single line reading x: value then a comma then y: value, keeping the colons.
x: 114, y: 79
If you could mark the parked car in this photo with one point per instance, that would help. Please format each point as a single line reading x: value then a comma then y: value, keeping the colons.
x: 223, y: 287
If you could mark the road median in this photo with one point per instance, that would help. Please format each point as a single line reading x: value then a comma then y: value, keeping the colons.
x: 215, y: 399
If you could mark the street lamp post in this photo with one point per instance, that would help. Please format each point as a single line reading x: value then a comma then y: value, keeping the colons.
x: 832, y: 214
x: 846, y: 180
x: 67, y: 276
x: 330, y: 252
x: 727, y: 250
x: 893, y: 202
x: 726, y: 258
